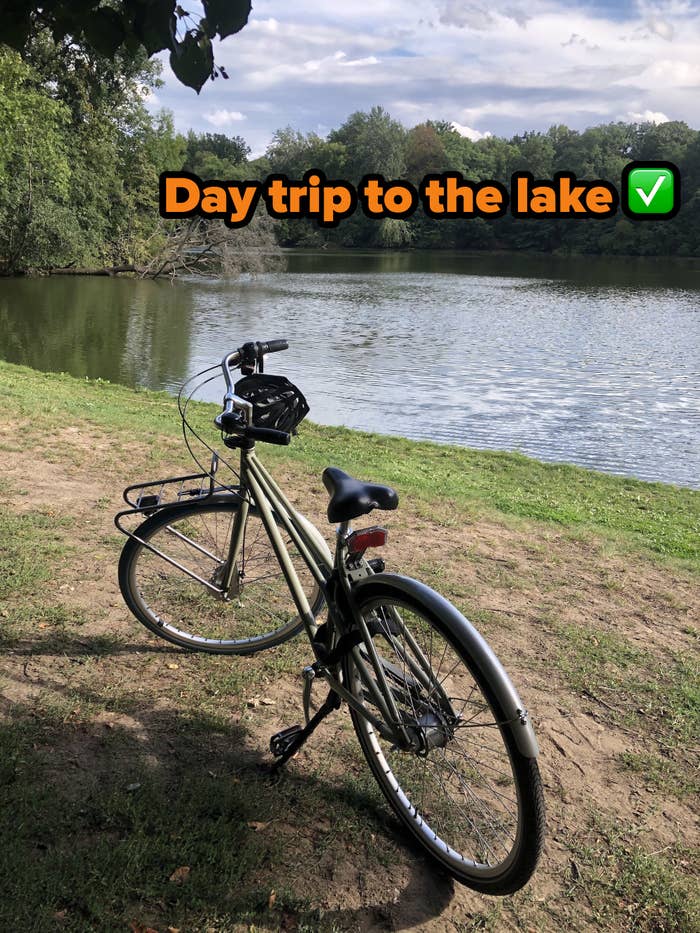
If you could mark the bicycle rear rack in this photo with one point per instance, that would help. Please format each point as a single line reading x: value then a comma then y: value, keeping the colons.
x: 145, y: 499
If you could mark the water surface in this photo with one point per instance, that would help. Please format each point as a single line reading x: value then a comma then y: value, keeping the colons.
x: 585, y: 361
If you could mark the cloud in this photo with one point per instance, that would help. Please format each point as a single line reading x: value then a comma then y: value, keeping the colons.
x: 661, y: 27
x: 499, y: 67
x: 224, y: 117
x: 473, y: 15
x: 478, y: 15
x: 575, y: 39
x: 467, y: 131
x: 647, y: 116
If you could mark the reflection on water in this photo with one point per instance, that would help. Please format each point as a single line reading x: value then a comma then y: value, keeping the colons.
x: 595, y: 363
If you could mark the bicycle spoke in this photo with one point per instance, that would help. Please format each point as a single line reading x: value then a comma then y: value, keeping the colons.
x: 459, y: 783
x: 261, y: 605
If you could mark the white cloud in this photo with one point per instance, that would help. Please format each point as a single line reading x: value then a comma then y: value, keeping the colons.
x: 669, y: 73
x: 224, y: 117
x: 461, y: 15
x: 661, y: 27
x: 467, y: 131
x: 491, y: 66
x: 646, y: 116
x: 359, y: 62
x: 479, y: 15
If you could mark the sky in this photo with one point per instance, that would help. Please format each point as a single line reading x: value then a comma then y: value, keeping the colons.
x: 499, y: 67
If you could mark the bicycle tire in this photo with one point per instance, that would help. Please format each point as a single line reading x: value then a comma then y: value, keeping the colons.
x: 214, y: 626
x: 427, y: 813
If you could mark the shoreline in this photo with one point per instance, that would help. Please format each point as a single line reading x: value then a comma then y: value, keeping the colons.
x: 337, y: 250
x: 659, y: 518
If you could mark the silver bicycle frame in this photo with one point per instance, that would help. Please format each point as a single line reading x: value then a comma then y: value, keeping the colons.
x: 274, y: 507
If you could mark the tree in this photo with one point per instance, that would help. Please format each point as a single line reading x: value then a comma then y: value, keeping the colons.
x: 374, y: 142
x: 535, y: 153
x: 425, y: 152
x: 218, y: 149
x: 78, y: 177
x: 130, y: 27
x: 395, y: 233
x: 35, y: 217
x: 205, y: 247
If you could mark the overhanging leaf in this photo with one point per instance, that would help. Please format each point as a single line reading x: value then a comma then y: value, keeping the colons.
x: 192, y: 60
x: 152, y: 22
x: 104, y: 31
x: 227, y: 16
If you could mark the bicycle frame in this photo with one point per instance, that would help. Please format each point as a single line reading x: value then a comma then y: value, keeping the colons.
x: 333, y: 574
x: 265, y: 494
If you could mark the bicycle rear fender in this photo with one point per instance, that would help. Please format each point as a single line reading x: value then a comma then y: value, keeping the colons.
x: 483, y: 658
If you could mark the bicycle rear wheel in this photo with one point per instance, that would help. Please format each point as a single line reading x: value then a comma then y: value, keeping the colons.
x: 466, y: 790
x: 188, y: 612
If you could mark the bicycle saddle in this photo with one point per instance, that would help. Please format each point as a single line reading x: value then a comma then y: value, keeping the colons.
x: 351, y: 498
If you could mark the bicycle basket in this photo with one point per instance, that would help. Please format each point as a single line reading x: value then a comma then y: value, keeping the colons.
x: 277, y: 403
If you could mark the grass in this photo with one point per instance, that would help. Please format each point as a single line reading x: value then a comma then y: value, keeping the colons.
x: 132, y: 775
x: 657, y: 894
x: 655, y: 517
x: 644, y: 689
x: 30, y: 543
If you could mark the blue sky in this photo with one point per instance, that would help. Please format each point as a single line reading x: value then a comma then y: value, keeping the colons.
x: 500, y: 67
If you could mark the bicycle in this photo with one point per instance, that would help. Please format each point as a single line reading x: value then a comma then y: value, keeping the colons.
x: 439, y: 722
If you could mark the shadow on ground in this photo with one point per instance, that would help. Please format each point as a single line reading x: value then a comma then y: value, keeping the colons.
x: 122, y: 811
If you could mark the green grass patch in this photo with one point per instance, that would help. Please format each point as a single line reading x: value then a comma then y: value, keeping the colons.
x: 659, y: 518
x: 657, y: 697
x: 665, y: 774
x: 30, y: 543
x: 631, y: 889
x: 665, y: 519
x: 182, y: 835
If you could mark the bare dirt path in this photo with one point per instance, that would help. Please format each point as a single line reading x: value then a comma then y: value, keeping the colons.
x: 591, y: 637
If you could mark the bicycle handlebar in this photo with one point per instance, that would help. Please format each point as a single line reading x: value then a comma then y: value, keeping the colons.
x: 250, y: 354
x: 273, y: 346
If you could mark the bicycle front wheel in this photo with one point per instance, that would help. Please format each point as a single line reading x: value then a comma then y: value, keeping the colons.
x: 463, y: 787
x: 177, y: 599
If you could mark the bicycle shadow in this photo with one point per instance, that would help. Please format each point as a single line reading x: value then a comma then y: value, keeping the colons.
x: 53, y: 642
x: 131, y: 793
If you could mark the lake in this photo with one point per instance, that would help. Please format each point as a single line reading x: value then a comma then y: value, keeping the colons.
x: 588, y: 361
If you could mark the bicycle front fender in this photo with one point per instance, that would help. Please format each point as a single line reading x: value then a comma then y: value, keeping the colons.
x: 486, y: 665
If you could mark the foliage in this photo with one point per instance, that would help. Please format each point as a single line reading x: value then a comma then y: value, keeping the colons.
x: 79, y: 160
x: 130, y: 28
x: 374, y: 142
x: 80, y: 157
x: 35, y: 175
x: 214, y: 155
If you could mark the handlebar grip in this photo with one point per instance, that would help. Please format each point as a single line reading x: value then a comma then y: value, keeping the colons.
x: 267, y: 435
x: 273, y: 346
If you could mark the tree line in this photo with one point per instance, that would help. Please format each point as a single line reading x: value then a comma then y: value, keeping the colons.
x: 374, y: 142
x: 80, y: 156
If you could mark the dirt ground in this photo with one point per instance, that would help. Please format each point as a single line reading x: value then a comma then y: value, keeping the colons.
x: 576, y: 623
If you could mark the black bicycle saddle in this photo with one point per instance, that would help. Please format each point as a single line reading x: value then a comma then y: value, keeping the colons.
x: 351, y: 498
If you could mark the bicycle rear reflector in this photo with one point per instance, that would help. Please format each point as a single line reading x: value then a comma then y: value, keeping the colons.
x: 359, y: 541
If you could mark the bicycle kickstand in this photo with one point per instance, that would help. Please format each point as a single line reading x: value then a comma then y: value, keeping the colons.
x: 286, y: 743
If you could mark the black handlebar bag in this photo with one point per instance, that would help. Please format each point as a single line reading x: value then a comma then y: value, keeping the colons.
x: 277, y: 403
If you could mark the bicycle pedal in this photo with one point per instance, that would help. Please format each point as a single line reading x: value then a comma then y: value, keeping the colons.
x: 281, y: 742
